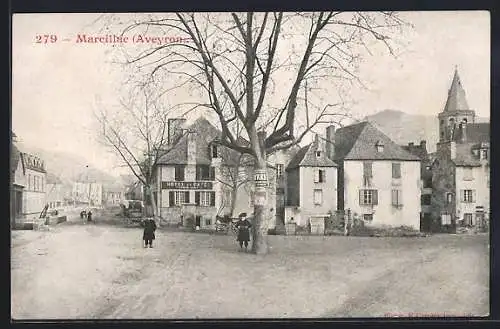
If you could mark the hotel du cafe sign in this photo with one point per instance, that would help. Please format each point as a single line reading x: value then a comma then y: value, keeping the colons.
x: 186, y: 185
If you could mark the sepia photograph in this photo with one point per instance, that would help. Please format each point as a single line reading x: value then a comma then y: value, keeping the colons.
x: 250, y: 165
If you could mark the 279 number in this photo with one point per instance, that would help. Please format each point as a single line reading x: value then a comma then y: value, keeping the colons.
x: 46, y: 38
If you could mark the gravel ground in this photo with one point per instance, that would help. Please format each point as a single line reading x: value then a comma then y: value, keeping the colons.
x: 80, y: 271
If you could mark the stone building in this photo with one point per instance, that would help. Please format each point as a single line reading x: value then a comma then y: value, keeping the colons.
x: 55, y: 192
x: 461, y: 169
x: 197, y: 179
x: 420, y: 150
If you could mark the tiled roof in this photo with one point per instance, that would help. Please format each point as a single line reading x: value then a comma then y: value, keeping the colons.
x: 465, y: 157
x: 418, y: 150
x: 475, y: 133
x: 306, y: 157
x: 456, y: 96
x: 358, y: 142
x: 205, y: 134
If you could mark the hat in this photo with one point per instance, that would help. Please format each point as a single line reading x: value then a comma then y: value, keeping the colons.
x: 243, y: 214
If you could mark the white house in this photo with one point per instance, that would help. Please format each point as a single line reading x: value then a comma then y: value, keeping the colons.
x: 377, y: 179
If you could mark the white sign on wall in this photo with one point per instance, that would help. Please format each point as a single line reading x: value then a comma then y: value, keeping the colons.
x: 260, y: 178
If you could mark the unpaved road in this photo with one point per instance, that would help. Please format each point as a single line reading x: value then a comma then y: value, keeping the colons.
x: 101, y: 271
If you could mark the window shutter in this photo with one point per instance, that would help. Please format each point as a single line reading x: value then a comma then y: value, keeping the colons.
x: 316, y: 176
x: 171, y: 198
x: 197, y: 172
x: 197, y: 198
x: 400, y: 197
x: 186, y: 197
x: 473, y: 195
x: 361, y: 197
x: 462, y: 195
x: 394, y: 197
x: 212, y: 198
x: 212, y: 173
x: 374, y: 197
x: 323, y: 175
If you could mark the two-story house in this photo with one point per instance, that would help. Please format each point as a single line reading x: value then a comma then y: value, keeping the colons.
x: 311, y: 184
x: 18, y: 183
x: 377, y: 179
x: 461, y: 169
x: 34, y: 192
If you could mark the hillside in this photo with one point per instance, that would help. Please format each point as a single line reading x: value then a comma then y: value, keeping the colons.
x: 404, y: 128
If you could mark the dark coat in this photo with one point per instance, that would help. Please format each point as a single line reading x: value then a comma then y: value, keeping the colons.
x: 149, y: 229
x: 243, y: 230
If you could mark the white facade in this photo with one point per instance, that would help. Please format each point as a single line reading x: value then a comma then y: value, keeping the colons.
x: 87, y: 192
x: 472, y: 192
x: 386, y: 211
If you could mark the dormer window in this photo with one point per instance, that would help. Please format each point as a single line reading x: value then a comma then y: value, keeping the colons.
x: 379, y: 146
x: 318, y: 154
x: 213, y: 151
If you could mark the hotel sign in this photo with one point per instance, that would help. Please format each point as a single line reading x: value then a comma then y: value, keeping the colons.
x: 186, y: 185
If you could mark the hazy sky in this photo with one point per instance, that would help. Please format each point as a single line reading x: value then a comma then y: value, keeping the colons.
x: 55, y: 85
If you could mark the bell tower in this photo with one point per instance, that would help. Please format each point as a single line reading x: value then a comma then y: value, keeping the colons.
x: 455, y: 111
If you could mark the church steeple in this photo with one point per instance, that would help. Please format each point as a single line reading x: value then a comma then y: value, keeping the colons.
x: 455, y: 111
x: 456, y: 95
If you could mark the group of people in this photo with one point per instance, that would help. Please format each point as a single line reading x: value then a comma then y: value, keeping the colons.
x: 86, y: 214
x: 243, y: 225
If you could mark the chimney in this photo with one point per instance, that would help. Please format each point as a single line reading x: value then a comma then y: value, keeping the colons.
x: 410, y: 144
x: 453, y: 150
x: 423, y: 144
x: 175, y: 130
x: 330, y: 142
x: 191, y: 146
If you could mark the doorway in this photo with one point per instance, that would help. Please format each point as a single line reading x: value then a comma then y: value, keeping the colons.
x: 198, y: 221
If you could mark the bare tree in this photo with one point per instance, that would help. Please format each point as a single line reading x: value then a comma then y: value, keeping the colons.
x: 138, y: 134
x: 249, y: 69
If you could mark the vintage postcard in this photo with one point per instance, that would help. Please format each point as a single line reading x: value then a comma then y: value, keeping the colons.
x: 250, y: 165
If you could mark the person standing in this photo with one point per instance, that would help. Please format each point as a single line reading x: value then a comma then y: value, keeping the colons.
x: 89, y: 216
x: 243, y: 226
x: 149, y: 232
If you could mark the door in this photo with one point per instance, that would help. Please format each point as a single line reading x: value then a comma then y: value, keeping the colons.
x: 198, y: 221
x: 479, y: 221
x: 425, y: 222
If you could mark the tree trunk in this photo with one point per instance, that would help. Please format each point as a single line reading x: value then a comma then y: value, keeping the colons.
x: 233, y: 199
x: 150, y: 202
x: 260, y: 220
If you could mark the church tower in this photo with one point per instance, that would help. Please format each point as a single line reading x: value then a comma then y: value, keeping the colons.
x: 456, y: 111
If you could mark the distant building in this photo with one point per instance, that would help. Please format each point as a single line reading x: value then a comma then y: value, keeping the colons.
x: 377, y: 179
x: 311, y: 184
x: 113, y: 195
x: 461, y: 169
x: 88, y: 193
x: 28, y: 189
x: 55, y: 193
x: 134, y: 191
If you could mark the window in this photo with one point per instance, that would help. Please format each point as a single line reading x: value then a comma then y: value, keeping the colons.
x: 319, y: 176
x: 228, y: 194
x: 449, y: 198
x: 208, y: 221
x: 179, y: 197
x: 205, y: 172
x: 467, y: 195
x: 367, y: 172
x: 397, y: 198
x: 41, y: 185
x: 425, y: 200
x: 445, y: 219
x: 368, y: 217
x: 379, y: 146
x: 214, y: 153
x: 179, y: 173
x: 396, y: 170
x: 204, y: 198
x: 318, y: 197
x: 484, y: 154
x: 468, y: 173
x: 368, y: 197
x: 468, y: 219
x: 279, y: 170
x: 427, y: 181
x: 29, y: 182
x: 318, y: 154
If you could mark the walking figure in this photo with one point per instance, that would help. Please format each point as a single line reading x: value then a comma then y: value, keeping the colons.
x: 149, y: 232
x: 243, y: 226
x: 89, y: 216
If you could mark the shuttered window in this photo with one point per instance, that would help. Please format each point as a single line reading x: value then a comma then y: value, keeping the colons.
x: 396, y: 170
x: 468, y: 196
x: 445, y: 219
x: 319, y: 176
x: 367, y: 173
x: 179, y: 173
x: 368, y: 197
x: 397, y: 198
